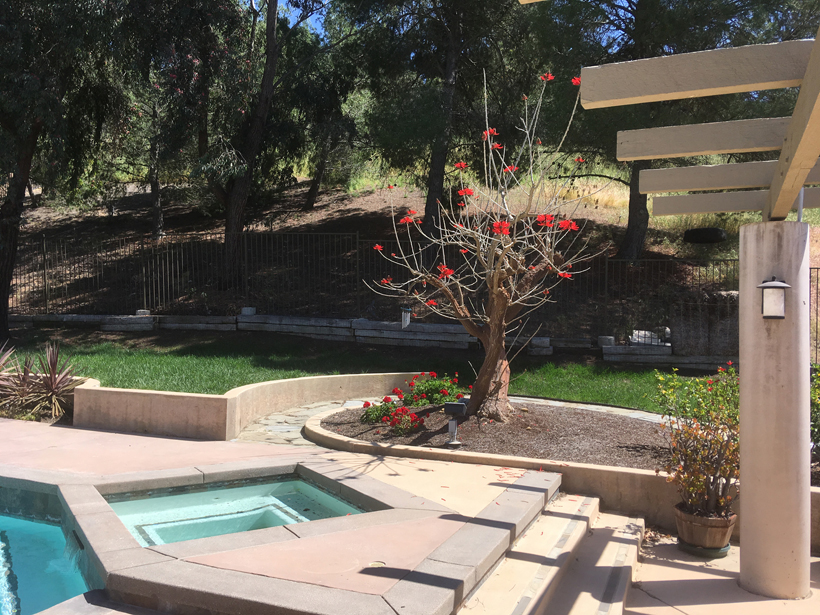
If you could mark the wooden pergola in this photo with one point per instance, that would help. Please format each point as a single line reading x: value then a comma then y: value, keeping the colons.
x: 771, y: 187
x: 775, y: 506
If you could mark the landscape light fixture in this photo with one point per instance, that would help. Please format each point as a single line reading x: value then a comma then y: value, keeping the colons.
x: 774, y: 298
x: 454, y: 409
x: 405, y: 316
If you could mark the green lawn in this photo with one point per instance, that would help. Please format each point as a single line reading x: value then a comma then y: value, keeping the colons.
x: 216, y: 363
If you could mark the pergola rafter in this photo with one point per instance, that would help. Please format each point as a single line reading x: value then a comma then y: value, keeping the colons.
x: 710, y: 73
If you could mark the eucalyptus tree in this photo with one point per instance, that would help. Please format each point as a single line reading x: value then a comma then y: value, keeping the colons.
x: 57, y: 87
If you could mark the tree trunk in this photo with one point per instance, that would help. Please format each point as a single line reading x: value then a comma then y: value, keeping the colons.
x: 250, y: 143
x: 11, y: 211
x: 153, y: 179
x: 310, y: 201
x: 489, y: 397
x: 441, y: 145
x: 638, y: 222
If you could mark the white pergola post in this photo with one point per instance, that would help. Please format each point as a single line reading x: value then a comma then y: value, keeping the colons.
x: 774, y: 505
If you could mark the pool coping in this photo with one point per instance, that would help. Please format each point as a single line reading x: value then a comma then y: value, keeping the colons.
x: 161, y: 579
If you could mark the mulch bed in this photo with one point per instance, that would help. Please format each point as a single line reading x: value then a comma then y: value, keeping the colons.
x: 535, y: 431
x: 538, y: 431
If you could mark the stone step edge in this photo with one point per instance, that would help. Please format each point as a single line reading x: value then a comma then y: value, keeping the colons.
x: 548, y: 576
x: 629, y: 533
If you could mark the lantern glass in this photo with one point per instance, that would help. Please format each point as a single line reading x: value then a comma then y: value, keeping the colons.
x: 774, y: 303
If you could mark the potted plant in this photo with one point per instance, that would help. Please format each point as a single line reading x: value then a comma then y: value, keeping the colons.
x: 701, y: 426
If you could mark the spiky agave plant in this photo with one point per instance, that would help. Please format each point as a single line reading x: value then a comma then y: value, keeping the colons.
x: 55, y: 382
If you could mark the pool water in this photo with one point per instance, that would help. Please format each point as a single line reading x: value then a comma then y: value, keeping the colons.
x: 37, y: 570
x: 157, y: 518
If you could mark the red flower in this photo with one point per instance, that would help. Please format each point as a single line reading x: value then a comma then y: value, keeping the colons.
x: 548, y: 76
x: 390, y: 186
x: 459, y: 396
x: 386, y: 281
x: 579, y: 159
x: 433, y: 374
x: 396, y: 390
x: 470, y: 386
x: 729, y: 363
x: 576, y: 81
x: 412, y: 384
x: 567, y: 225
x: 424, y: 395
x: 431, y: 302
x: 400, y: 396
x: 406, y: 220
x: 466, y: 192
x: 524, y: 97
x: 378, y: 247
x: 421, y: 374
x: 415, y: 397
x: 444, y: 392
x: 411, y: 212
x: 497, y: 146
x: 413, y: 417
x: 461, y: 204
x: 492, y: 132
x: 463, y: 251
x: 501, y: 228
x: 385, y: 419
x: 387, y: 399
x: 564, y: 274
x: 366, y: 404
x: 461, y: 165
x: 445, y: 272
x: 510, y: 169
x: 545, y: 220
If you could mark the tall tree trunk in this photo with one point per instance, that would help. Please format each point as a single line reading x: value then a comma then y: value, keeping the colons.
x: 249, y: 146
x: 638, y: 222
x: 153, y: 179
x: 310, y: 201
x: 441, y: 145
x: 11, y: 211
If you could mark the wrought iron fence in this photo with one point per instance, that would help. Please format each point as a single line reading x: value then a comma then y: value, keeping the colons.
x: 328, y: 275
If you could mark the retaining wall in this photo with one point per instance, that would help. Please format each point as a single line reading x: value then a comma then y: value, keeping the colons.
x: 215, y: 417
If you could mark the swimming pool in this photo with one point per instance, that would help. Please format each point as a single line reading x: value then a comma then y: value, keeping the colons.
x: 37, y: 568
x: 175, y: 515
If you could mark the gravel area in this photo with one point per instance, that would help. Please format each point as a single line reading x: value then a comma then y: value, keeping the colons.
x: 534, y: 431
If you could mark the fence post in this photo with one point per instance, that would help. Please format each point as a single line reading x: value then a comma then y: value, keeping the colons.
x: 358, y: 279
x: 245, y: 266
x: 606, y: 295
x: 143, y: 276
x: 45, y: 274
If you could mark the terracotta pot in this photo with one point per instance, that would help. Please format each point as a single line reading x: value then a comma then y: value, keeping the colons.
x: 706, y: 532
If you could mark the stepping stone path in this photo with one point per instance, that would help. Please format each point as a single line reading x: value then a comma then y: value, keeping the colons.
x: 285, y: 427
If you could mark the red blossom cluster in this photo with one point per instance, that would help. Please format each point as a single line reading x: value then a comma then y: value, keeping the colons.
x: 545, y: 219
x: 403, y: 421
x: 579, y: 159
x: 510, y: 169
x: 567, y: 225
x: 461, y: 165
x: 466, y: 192
x: 444, y: 272
x: 501, y: 228
x: 564, y: 274
x: 497, y: 146
x: 492, y: 132
x: 576, y: 81
x: 378, y: 247
x: 461, y: 204
x: 431, y: 302
x: 386, y: 280
x: 547, y: 76
x: 407, y: 220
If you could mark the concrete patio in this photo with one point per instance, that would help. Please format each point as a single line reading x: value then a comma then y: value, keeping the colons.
x: 426, y: 551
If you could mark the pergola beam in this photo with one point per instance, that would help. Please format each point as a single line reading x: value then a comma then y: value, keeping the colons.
x: 801, y: 146
x: 758, y: 135
x: 703, y: 73
x: 737, y: 176
x: 751, y: 200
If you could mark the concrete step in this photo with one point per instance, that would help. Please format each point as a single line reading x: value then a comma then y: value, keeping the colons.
x: 532, y: 569
x: 600, y: 573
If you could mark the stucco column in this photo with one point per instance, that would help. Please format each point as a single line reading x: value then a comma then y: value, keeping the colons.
x: 775, y: 506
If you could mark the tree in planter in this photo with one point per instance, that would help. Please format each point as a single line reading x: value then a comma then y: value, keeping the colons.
x: 493, y: 261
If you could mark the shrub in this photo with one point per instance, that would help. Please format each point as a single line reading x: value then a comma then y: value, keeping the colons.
x: 374, y: 413
x: 402, y: 421
x: 31, y: 394
x: 702, y: 431
x: 433, y: 390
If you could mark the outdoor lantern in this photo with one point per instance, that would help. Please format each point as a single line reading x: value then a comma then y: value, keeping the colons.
x: 405, y: 317
x: 774, y: 298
